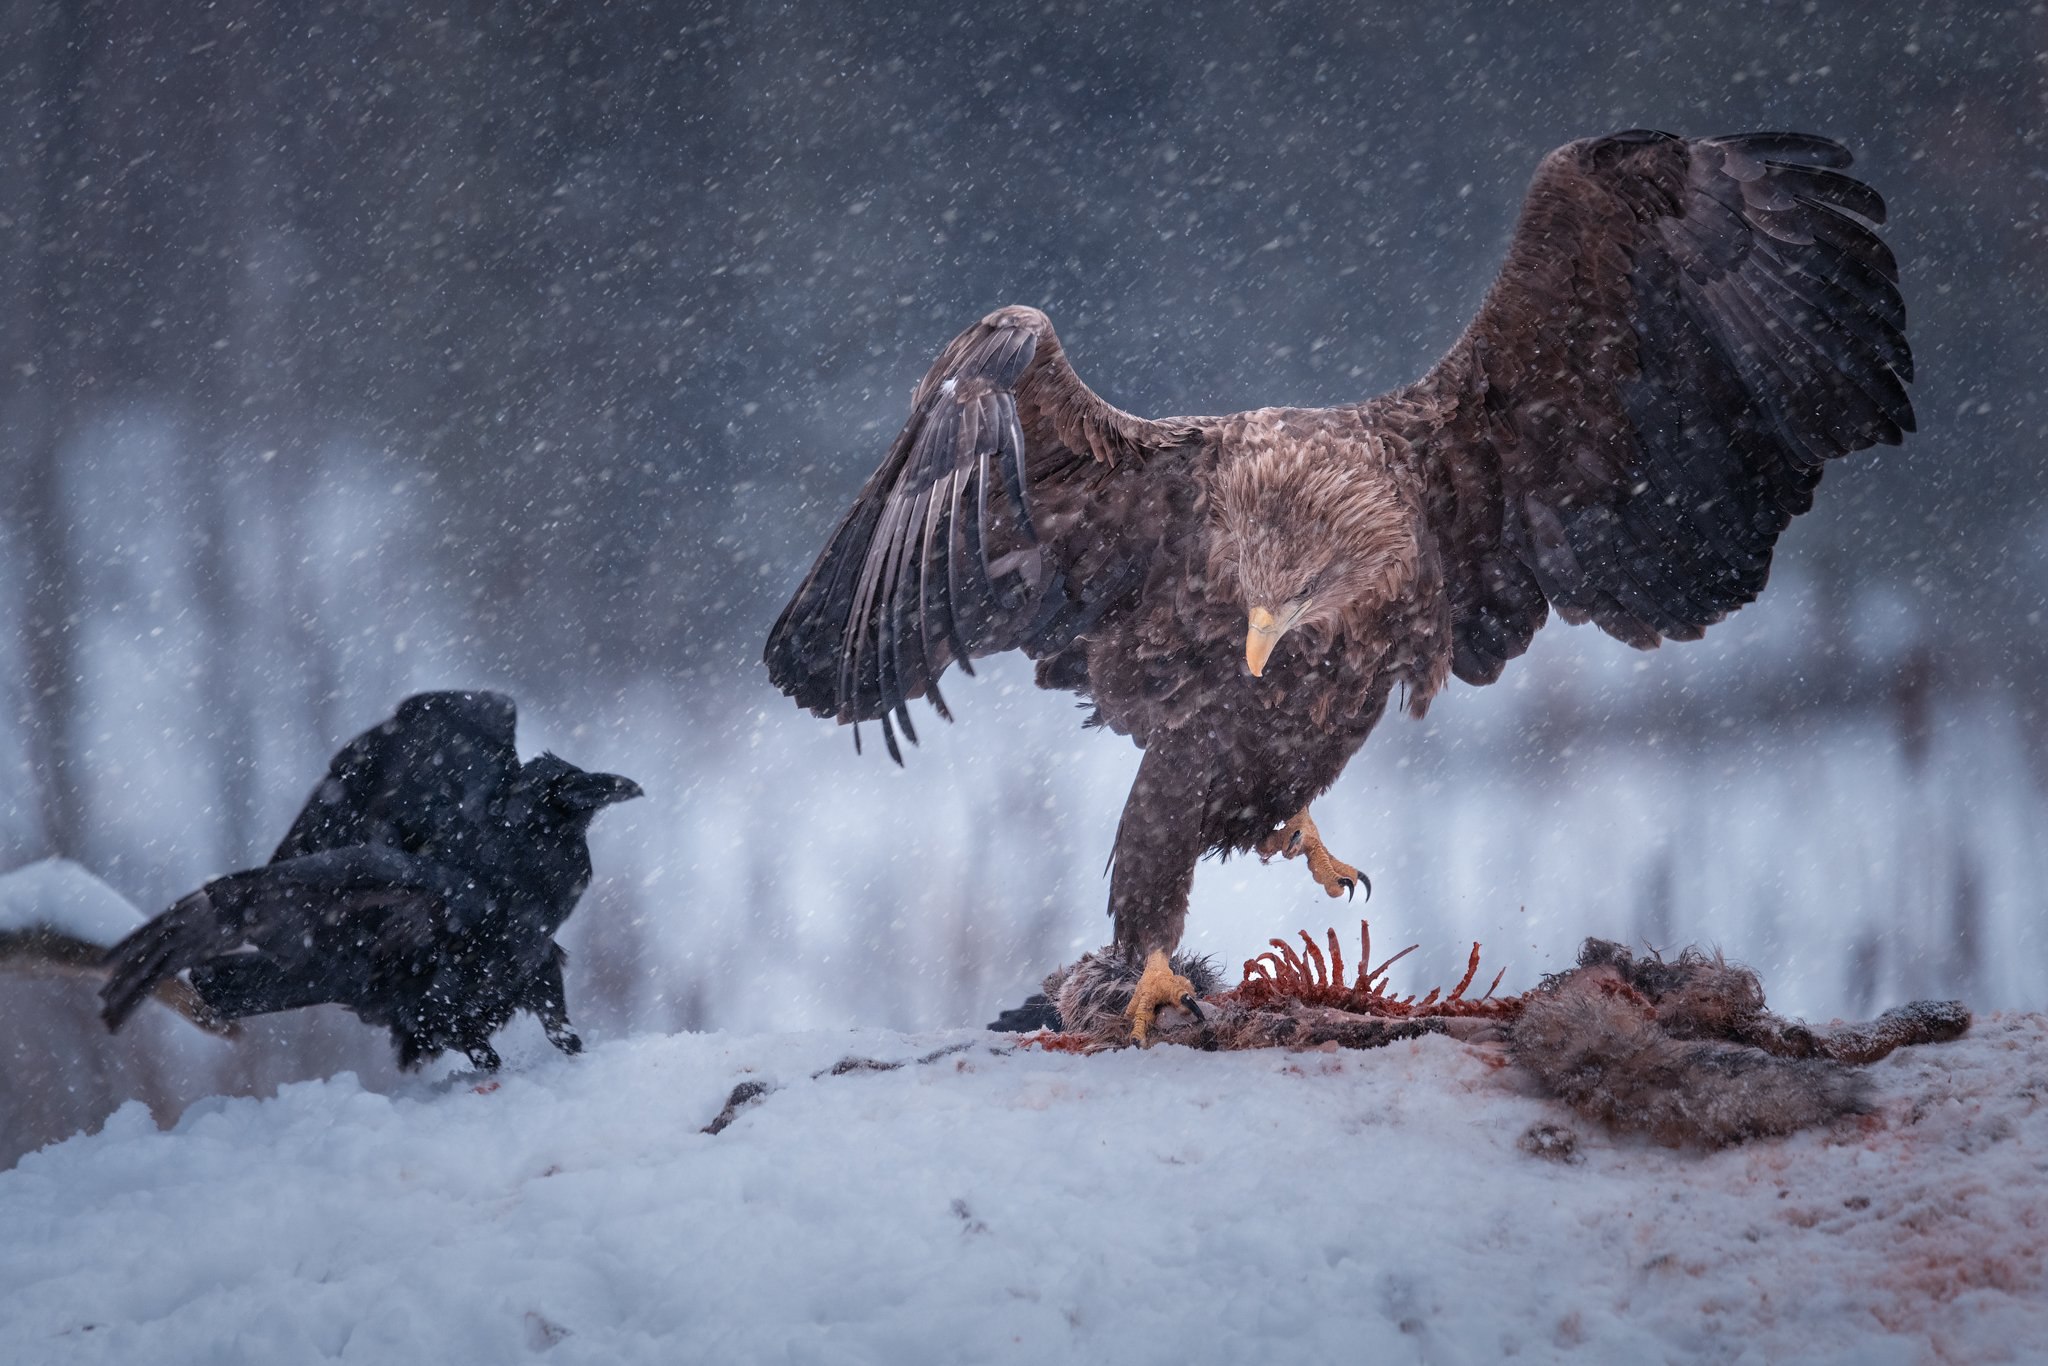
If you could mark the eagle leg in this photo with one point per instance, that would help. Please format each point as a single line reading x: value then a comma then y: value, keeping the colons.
x: 1299, y: 838
x: 1158, y: 988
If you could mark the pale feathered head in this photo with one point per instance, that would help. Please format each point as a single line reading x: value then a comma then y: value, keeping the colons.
x: 1316, y: 535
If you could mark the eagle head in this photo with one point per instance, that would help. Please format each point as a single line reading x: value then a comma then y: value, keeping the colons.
x: 1316, y: 536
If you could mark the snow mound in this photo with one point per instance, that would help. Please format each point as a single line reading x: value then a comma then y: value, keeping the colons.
x: 999, y: 1204
x: 57, y: 894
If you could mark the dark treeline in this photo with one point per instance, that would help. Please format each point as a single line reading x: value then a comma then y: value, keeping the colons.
x: 353, y: 347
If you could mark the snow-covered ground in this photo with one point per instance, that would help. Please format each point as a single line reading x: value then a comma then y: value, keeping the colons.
x: 57, y: 894
x: 1002, y: 1204
x: 1813, y: 849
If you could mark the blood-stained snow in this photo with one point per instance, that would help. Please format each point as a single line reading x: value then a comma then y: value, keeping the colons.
x: 1003, y: 1204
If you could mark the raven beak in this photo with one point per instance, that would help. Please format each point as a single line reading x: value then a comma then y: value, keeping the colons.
x: 603, y: 789
x: 1262, y: 633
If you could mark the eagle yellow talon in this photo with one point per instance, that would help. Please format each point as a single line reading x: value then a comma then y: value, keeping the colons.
x: 1299, y: 838
x: 1159, y: 987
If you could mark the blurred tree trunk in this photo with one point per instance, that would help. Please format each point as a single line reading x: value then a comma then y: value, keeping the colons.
x: 225, y: 157
x: 60, y: 39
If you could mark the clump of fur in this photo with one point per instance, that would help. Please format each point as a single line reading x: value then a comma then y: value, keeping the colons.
x: 1596, y: 1045
x: 1551, y: 1142
x: 1093, y: 996
x: 1694, y: 996
x: 1684, y: 1051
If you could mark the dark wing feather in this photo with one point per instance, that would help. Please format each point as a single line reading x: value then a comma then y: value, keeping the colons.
x: 1683, y: 334
x: 943, y: 556
x: 423, y: 781
x: 314, y: 919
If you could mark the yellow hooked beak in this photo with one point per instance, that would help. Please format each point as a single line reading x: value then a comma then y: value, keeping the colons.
x: 1263, y: 631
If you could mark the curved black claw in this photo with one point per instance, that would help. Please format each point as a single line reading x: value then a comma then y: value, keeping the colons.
x: 1367, y: 883
x: 1192, y: 1006
x: 1348, y: 885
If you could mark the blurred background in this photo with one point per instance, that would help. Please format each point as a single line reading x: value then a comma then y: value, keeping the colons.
x: 353, y: 349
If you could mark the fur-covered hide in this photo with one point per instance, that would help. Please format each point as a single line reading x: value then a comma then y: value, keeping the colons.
x: 1681, y: 1049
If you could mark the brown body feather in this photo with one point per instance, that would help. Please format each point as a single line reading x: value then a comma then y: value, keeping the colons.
x: 1683, y: 333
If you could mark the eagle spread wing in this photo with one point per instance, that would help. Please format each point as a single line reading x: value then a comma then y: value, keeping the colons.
x: 955, y: 548
x: 422, y: 782
x: 1684, y: 333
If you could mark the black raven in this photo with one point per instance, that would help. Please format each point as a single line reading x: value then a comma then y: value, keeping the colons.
x: 421, y: 887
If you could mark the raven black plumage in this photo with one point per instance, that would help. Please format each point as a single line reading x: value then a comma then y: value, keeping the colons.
x: 421, y: 887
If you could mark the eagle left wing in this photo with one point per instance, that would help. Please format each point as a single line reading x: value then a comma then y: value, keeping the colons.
x: 943, y: 557
x: 1684, y: 333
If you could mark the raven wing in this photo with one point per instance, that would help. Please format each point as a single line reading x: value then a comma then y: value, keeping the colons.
x: 1684, y: 333
x: 965, y: 542
x: 424, y: 781
x: 323, y: 922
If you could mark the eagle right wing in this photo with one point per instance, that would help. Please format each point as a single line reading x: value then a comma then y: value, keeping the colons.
x: 942, y: 556
x: 1685, y: 332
